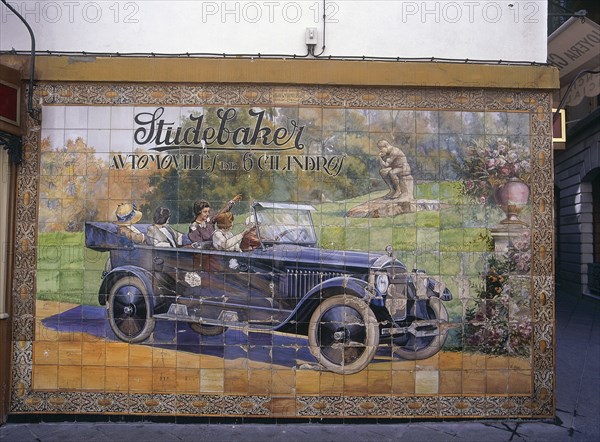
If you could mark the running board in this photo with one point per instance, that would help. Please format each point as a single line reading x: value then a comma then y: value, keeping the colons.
x: 178, y: 312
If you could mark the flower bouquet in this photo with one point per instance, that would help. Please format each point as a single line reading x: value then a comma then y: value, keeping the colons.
x: 488, y: 166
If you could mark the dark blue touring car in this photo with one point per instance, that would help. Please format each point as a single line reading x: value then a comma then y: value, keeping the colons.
x: 346, y: 302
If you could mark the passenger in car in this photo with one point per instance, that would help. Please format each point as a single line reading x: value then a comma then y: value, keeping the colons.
x: 223, y: 238
x: 202, y: 228
x: 127, y: 215
x: 161, y: 234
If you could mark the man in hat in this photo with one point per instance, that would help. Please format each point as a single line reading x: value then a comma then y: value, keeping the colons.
x: 127, y: 215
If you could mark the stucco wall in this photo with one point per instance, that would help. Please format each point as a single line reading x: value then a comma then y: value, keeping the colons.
x: 484, y: 30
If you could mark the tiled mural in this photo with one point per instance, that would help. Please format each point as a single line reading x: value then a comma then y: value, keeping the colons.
x: 270, y: 251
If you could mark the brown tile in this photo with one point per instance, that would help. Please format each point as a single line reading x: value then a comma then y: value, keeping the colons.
x: 46, y: 334
x: 496, y: 362
x: 404, y: 366
x: 451, y: 360
x: 93, y: 377
x: 331, y: 383
x: 69, y: 377
x: 140, y: 356
x: 519, y: 381
x: 163, y: 358
x: 235, y: 364
x: 164, y: 380
x: 379, y: 382
x: 117, y: 354
x: 188, y: 360
x: 473, y: 361
x: 236, y: 381
x: 259, y: 381
x: 283, y: 382
x: 519, y: 362
x: 45, y: 377
x: 69, y: 353
x: 85, y: 337
x: 429, y: 363
x: 450, y: 381
x: 473, y: 381
x: 93, y: 353
x: 357, y: 384
x: 403, y: 382
x: 496, y: 381
x: 141, y: 380
x: 281, y: 407
x: 188, y: 381
x: 118, y: 379
x: 211, y: 362
x: 381, y: 366
x: 307, y: 381
x: 45, y: 352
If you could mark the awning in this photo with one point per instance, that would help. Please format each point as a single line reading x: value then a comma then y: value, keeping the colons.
x: 572, y: 48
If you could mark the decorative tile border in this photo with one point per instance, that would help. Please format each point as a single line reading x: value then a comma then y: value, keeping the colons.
x: 539, y: 404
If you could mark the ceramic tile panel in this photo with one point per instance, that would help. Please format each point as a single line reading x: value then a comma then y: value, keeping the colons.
x: 368, y: 252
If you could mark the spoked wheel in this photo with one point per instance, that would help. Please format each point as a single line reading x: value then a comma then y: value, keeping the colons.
x: 207, y: 330
x: 426, y: 336
x: 343, y: 334
x: 130, y: 310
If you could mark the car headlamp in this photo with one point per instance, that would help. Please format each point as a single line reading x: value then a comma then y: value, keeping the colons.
x: 382, y: 282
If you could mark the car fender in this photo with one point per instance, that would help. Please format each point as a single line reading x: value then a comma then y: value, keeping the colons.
x: 120, y: 272
x: 297, y: 321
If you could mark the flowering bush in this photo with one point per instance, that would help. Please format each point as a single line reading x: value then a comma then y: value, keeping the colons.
x: 519, y: 253
x: 500, y: 322
x: 488, y: 166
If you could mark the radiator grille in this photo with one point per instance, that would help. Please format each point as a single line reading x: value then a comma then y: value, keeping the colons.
x: 300, y: 282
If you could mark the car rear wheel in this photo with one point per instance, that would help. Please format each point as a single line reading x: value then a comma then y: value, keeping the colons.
x: 130, y: 310
x: 207, y: 330
x: 343, y: 334
x: 428, y: 336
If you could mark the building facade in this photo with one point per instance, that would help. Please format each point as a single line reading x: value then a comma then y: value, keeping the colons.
x: 576, y: 160
x: 391, y: 249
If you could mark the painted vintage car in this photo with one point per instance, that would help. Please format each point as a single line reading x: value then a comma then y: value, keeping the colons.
x: 348, y: 303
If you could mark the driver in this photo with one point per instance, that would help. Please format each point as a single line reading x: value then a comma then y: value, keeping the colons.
x: 250, y: 240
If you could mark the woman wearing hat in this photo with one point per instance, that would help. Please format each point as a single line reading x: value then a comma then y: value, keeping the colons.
x: 127, y: 215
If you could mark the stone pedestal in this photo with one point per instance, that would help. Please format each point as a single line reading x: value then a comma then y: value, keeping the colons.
x: 504, y: 234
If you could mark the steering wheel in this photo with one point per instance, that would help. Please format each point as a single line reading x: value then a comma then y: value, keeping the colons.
x: 302, y: 233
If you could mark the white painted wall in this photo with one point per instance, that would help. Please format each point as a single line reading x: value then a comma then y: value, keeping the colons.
x: 477, y: 29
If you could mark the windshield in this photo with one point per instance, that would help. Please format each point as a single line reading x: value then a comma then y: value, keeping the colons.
x: 287, y: 226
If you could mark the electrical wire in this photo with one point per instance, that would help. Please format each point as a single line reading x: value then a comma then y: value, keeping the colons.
x: 30, y: 110
x: 563, y: 99
x: 324, y: 21
x: 273, y: 56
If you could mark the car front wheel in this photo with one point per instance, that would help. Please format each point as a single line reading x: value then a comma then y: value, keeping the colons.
x: 343, y: 334
x: 130, y: 310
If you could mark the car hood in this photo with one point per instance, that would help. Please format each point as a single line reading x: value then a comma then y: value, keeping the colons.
x: 338, y: 259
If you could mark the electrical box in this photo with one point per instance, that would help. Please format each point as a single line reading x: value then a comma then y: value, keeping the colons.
x: 311, y: 36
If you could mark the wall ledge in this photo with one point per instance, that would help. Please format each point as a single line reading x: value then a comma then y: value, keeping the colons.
x: 286, y: 71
